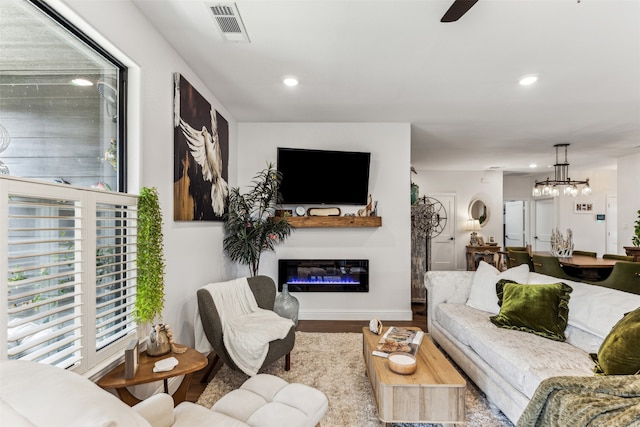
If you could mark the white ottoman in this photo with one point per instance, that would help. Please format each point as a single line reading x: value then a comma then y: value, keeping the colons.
x: 268, y: 401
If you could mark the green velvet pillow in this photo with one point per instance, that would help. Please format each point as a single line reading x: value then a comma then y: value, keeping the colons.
x: 539, y: 309
x: 500, y: 288
x: 619, y: 353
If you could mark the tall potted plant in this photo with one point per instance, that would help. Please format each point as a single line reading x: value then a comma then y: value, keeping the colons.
x: 634, y: 250
x: 250, y: 224
x: 150, y: 271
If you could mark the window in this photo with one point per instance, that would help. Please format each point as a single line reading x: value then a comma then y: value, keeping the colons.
x: 62, y: 101
x: 70, y: 268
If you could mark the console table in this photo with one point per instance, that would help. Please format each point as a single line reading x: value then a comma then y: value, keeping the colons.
x: 486, y: 253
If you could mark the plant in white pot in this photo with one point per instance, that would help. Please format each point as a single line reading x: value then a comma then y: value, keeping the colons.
x: 150, y: 271
x: 634, y: 250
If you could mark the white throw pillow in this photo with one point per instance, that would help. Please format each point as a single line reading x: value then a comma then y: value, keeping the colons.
x: 483, y: 288
x: 592, y: 308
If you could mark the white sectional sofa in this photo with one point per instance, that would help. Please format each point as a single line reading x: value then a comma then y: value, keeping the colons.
x: 508, y: 365
x: 37, y: 395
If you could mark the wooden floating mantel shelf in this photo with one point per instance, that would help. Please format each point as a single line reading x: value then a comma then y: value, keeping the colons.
x: 334, y: 221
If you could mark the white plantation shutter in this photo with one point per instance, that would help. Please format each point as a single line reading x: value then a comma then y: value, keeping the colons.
x: 70, y: 269
x: 115, y: 271
x: 44, y: 286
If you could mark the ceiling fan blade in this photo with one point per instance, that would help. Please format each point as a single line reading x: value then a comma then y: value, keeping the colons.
x: 457, y: 9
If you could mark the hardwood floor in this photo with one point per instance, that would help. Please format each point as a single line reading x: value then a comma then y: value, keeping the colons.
x: 332, y: 326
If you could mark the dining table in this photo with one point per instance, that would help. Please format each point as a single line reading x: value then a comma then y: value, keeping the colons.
x: 586, y: 267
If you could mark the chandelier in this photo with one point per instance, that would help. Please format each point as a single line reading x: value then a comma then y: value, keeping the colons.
x: 562, y: 182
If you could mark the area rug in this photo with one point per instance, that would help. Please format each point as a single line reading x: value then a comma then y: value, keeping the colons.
x: 333, y: 363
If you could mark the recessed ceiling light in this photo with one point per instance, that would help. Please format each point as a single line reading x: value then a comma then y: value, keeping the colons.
x: 290, y: 81
x: 533, y: 165
x: 528, y: 80
x: 81, y: 82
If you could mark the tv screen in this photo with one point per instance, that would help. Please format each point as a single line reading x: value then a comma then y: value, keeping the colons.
x: 323, y: 177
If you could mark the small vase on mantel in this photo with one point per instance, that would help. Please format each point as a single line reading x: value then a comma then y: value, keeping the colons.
x: 286, y: 305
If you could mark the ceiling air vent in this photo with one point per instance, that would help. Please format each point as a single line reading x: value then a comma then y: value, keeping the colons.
x: 229, y: 22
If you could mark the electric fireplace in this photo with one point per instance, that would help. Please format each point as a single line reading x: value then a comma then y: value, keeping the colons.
x: 324, y: 275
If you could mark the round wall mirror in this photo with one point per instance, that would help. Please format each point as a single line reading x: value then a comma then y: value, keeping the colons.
x: 480, y: 211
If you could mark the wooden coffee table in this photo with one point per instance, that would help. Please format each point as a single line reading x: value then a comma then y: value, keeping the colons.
x: 188, y: 363
x: 434, y: 393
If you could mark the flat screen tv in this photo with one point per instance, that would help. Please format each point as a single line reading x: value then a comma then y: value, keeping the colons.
x: 322, y: 177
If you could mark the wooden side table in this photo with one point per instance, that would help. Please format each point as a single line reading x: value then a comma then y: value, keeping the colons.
x: 488, y: 253
x: 188, y: 363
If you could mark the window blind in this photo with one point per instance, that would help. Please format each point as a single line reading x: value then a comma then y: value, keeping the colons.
x: 115, y: 271
x: 70, y: 268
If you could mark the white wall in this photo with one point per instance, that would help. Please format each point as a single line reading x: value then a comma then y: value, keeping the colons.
x: 193, y: 250
x: 628, y: 198
x: 387, y: 248
x: 588, y: 234
x: 467, y: 186
x: 516, y: 187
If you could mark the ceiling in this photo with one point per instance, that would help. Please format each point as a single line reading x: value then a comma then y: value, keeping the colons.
x: 456, y: 83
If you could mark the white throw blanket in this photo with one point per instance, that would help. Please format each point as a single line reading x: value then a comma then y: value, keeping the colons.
x: 246, y: 328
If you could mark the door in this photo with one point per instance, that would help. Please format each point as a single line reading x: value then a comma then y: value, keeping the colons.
x: 514, y: 223
x: 543, y: 224
x: 443, y: 245
x: 611, y: 224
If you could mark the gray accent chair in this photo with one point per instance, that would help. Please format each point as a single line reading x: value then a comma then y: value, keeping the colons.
x: 264, y: 290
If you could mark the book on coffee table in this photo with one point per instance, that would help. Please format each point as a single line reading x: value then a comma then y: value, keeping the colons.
x: 397, y: 339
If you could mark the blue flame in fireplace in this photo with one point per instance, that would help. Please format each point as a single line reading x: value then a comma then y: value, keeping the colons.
x: 328, y: 280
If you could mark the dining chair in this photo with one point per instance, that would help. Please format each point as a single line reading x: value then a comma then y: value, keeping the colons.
x: 515, y: 248
x: 625, y: 276
x: 549, y: 265
x: 586, y: 253
x: 618, y: 257
x: 516, y: 258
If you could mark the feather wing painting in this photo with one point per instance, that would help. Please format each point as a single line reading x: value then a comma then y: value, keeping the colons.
x: 205, y: 149
x: 200, y: 153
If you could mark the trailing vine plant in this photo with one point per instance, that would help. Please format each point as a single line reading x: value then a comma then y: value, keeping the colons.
x: 150, y: 259
x: 250, y: 224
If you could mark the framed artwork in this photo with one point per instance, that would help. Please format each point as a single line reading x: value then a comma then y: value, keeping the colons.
x: 581, y: 207
x: 480, y: 241
x: 200, y: 151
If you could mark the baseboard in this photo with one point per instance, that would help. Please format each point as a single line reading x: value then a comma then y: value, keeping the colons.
x: 327, y: 314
